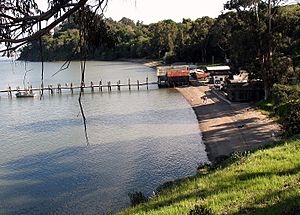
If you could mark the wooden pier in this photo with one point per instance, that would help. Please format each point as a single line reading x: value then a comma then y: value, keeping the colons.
x: 59, y: 88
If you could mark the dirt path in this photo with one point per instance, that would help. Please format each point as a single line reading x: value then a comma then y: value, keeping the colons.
x: 228, y: 128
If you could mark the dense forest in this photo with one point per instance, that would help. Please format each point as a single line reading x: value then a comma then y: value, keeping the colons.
x: 244, y: 37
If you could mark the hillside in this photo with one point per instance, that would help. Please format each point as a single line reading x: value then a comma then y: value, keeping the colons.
x: 263, y: 182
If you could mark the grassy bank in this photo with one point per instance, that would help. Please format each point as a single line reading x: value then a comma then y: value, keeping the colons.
x: 263, y: 182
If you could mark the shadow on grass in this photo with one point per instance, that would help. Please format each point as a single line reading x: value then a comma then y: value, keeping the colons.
x: 286, y: 206
x: 249, y: 176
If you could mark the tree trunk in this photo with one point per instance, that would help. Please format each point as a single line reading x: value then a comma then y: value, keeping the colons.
x: 268, y: 62
x: 266, y: 90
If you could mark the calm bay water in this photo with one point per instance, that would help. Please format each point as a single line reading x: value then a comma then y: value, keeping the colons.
x: 138, y: 140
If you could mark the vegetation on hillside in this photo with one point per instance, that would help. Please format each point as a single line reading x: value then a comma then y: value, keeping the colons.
x: 266, y: 181
x: 284, y: 105
x: 244, y: 37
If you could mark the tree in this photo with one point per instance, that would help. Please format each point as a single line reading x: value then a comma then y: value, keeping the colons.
x: 199, y: 34
x: 262, y: 14
x: 163, y: 38
x: 23, y: 21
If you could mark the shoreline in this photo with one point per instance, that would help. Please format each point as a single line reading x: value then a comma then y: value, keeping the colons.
x: 229, y: 127
x: 146, y: 62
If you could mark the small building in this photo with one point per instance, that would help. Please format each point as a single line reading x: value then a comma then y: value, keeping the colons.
x: 241, y: 89
x: 178, y: 78
x: 161, y: 73
x: 218, y: 74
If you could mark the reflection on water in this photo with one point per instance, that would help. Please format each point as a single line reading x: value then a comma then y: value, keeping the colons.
x: 138, y: 140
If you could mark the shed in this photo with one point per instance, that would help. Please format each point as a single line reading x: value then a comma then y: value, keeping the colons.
x: 178, y: 78
x: 218, y: 73
x: 161, y: 72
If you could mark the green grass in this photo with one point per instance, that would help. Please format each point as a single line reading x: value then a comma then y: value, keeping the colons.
x: 265, y: 106
x: 266, y: 181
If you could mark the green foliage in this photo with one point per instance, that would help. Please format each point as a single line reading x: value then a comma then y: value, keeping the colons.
x: 290, y: 117
x: 262, y: 182
x: 241, y: 36
x: 169, y: 57
x: 137, y: 198
x: 266, y: 106
x: 285, y: 93
x: 200, y: 210
x: 287, y: 106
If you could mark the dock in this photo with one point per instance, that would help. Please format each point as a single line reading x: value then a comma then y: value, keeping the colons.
x: 70, y: 87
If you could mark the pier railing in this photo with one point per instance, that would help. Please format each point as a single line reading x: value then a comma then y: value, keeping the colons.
x: 59, y: 88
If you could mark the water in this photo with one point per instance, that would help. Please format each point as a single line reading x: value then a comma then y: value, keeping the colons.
x: 138, y: 140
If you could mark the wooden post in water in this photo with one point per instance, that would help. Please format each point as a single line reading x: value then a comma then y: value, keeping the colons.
x: 118, y: 85
x: 71, y: 87
x: 100, y: 86
x: 138, y: 84
x: 129, y: 84
x: 147, y: 83
x: 109, y: 86
x: 50, y: 90
x: 9, y: 92
x: 92, y: 87
x: 58, y: 88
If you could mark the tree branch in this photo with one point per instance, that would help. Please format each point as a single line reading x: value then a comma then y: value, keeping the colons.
x: 41, y: 32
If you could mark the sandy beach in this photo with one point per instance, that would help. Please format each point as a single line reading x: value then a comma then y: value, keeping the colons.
x: 229, y: 127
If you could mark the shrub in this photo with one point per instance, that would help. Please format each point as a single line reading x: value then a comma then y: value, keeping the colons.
x: 285, y: 93
x: 137, y: 198
x: 290, y: 117
x: 287, y: 106
x: 170, y: 57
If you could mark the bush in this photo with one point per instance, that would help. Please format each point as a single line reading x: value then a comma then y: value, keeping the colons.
x: 290, y: 117
x: 170, y: 57
x: 285, y: 93
x: 137, y: 198
x: 287, y: 106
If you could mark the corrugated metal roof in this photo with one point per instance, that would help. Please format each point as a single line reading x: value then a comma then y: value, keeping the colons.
x: 178, y: 73
x: 217, y: 68
x: 162, y: 70
x: 204, y: 75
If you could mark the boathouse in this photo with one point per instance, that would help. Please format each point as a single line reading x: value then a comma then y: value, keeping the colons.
x: 218, y: 74
x: 164, y: 81
x: 178, y: 78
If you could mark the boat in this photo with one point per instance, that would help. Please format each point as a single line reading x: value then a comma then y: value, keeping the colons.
x: 24, y: 94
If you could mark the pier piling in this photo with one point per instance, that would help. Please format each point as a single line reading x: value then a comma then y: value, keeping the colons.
x: 9, y: 91
x: 129, y: 84
x: 100, y: 86
x: 92, y: 87
x: 147, y: 83
x: 118, y: 85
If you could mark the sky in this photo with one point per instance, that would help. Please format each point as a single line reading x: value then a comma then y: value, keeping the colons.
x: 150, y: 11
